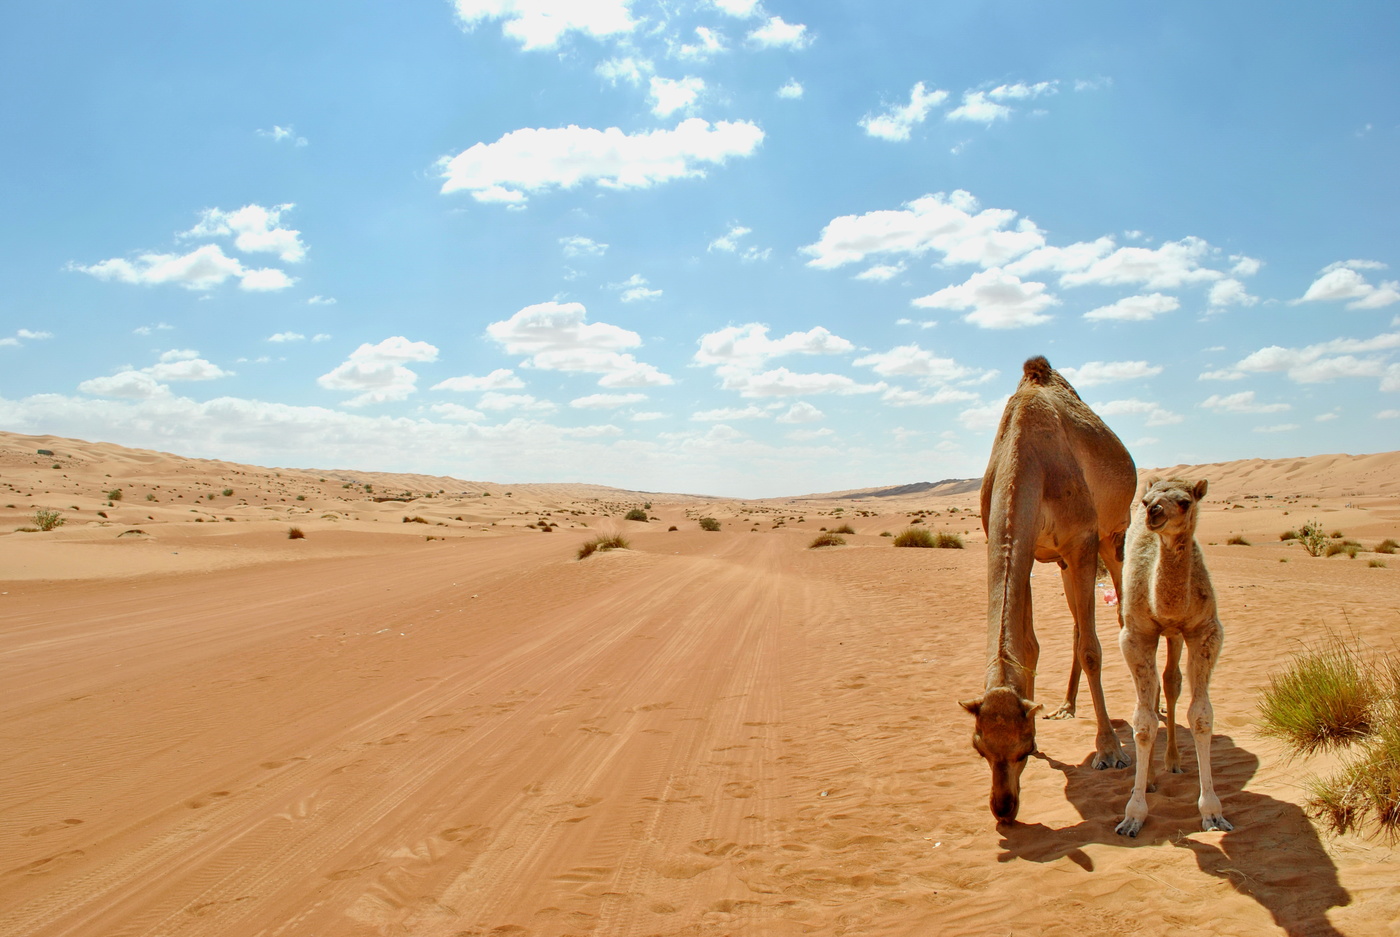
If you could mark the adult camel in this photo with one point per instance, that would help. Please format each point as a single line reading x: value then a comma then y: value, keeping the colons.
x: 1058, y: 487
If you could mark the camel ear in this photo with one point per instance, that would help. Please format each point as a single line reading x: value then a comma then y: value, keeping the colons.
x: 1029, y: 708
x: 973, y: 706
x: 1200, y: 490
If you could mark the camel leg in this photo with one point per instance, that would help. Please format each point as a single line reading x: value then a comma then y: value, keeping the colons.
x: 1202, y: 653
x: 1171, y: 682
x: 1066, y: 710
x: 1139, y: 647
x: 1078, y: 578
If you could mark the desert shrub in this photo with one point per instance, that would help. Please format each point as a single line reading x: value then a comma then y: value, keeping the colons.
x: 150, y: 496
x: 636, y: 514
x: 843, y: 529
x: 1337, y: 535
x: 546, y: 529
x: 671, y: 528
x: 709, y: 523
x: 301, y: 497
x: 114, y: 495
x: 296, y: 533
x: 1237, y: 541
x: 415, y: 519
x: 602, y: 544
x: 47, y: 519
x: 1288, y: 535
x: 1349, y: 547
x: 1387, y: 546
x: 227, y: 492
x: 1312, y: 538
x: 886, y: 533
x: 947, y: 540
x: 1374, y: 564
x: 914, y: 537
x: 1324, y: 699
x: 827, y: 540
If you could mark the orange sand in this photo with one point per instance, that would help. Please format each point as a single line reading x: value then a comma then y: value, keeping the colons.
x: 213, y: 729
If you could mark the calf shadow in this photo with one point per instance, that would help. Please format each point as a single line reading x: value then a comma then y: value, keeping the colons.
x: 1273, y: 855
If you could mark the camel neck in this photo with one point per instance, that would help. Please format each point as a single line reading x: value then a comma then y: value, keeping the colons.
x: 1171, y: 587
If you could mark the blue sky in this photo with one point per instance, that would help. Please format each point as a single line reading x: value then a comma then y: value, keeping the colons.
x: 741, y: 247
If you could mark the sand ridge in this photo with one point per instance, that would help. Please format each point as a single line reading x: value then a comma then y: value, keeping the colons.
x: 369, y: 732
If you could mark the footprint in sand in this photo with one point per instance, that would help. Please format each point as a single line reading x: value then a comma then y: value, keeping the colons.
x: 50, y: 827
x: 205, y: 800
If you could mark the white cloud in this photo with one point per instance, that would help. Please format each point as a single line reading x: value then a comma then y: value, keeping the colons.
x: 635, y: 288
x: 902, y: 397
x: 776, y: 33
x: 1320, y: 363
x: 556, y: 338
x: 254, y: 229
x: 537, y: 160
x: 1243, y: 402
x: 780, y: 382
x: 320, y: 301
x: 321, y: 337
x: 983, y: 419
x: 278, y: 134
x: 625, y: 69
x: 540, y: 24
x: 743, y: 9
x: 879, y: 273
x: 670, y: 95
x: 1021, y: 91
x: 1155, y: 414
x: 729, y: 241
x: 998, y: 300
x: 495, y: 400
x: 457, y: 413
x: 1136, y: 308
x: 898, y: 120
x: 377, y: 372
x: 1245, y: 266
x: 1092, y: 373
x: 791, y: 91
x: 749, y: 347
x: 913, y: 361
x: 1174, y: 264
x: 148, y: 329
x: 287, y: 337
x: 1279, y: 428
x: 707, y: 43
x: 606, y: 401
x: 22, y: 335
x: 201, y: 269
x: 1388, y: 415
x: 1230, y: 292
x: 1074, y: 257
x: 801, y: 412
x: 1341, y: 281
x: 182, y: 364
x: 953, y: 225
x: 977, y: 109
x: 730, y: 413
x: 132, y: 385
x: 577, y: 246
x: 499, y: 379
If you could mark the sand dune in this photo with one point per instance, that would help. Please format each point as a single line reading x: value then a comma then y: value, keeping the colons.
x: 455, y: 727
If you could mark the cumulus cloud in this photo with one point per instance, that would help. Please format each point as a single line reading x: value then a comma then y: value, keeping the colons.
x: 707, y: 43
x: 879, y: 273
x: 730, y: 413
x: 499, y: 379
x: 320, y: 301
x: 776, y: 33
x: 625, y: 68
x: 578, y: 246
x: 635, y: 288
x: 780, y: 382
x: 1243, y: 402
x: 983, y: 419
x: 495, y: 400
x: 254, y: 229
x: 531, y: 161
x: 1154, y: 413
x: 801, y: 412
x: 976, y: 107
x: 1020, y: 91
x: 1092, y: 373
x: 1174, y: 264
x: 177, y: 364
x: 749, y: 347
x: 669, y: 95
x: 541, y: 24
x: 555, y: 337
x: 457, y: 413
x: 1320, y: 363
x: 998, y: 300
x: 23, y: 335
x: 742, y: 9
x: 130, y: 384
x: 896, y: 121
x: 791, y: 91
x: 913, y: 361
x: 281, y: 337
x: 1136, y: 308
x: 201, y: 269
x: 1342, y: 281
x: 606, y: 401
x: 378, y: 372
x: 729, y: 243
x: 954, y: 226
x: 1230, y: 292
x: 903, y: 397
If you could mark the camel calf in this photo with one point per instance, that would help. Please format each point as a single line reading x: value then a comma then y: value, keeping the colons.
x: 1167, y: 591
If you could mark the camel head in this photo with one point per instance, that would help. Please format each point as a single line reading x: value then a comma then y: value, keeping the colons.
x: 1004, y: 734
x: 1171, y: 505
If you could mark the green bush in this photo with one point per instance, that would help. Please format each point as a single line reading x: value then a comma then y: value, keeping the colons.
x: 227, y: 492
x: 914, y: 537
x: 1323, y: 700
x: 47, y: 519
x: 827, y: 540
x: 636, y: 514
x: 602, y: 544
x: 709, y: 523
x: 843, y: 529
x: 114, y: 495
x: 1312, y: 538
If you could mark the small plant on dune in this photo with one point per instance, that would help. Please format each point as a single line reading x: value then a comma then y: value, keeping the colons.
x: 415, y: 519
x: 114, y: 495
x: 47, y: 519
x: 1387, y: 546
x: 1237, y: 541
x: 886, y: 533
x: 1312, y: 538
x: 709, y: 523
x: 1376, y: 564
x: 150, y: 496
x: 827, y: 540
x: 602, y: 544
x: 671, y: 528
x: 1288, y: 535
x: 914, y: 537
x: 947, y: 540
x: 296, y: 533
x: 636, y: 514
x: 1349, y: 547
x: 1323, y: 700
x: 227, y: 492
x: 843, y: 529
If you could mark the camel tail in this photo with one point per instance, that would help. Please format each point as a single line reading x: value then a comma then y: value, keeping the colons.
x: 1037, y: 370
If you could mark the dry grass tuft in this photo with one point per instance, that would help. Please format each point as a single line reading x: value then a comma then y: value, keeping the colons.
x: 1323, y: 700
x: 296, y: 533
x: 1237, y: 541
x: 602, y: 544
x: 1386, y: 546
x: 828, y: 539
x: 843, y: 529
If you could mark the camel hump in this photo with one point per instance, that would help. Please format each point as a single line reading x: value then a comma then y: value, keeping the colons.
x: 1037, y: 370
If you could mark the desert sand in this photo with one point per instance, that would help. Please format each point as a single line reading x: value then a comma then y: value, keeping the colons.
x: 427, y: 718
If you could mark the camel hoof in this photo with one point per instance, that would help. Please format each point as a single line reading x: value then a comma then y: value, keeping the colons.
x: 1066, y: 711
x: 1176, y: 769
x: 1104, y: 762
x: 1216, y: 823
x: 1129, y: 827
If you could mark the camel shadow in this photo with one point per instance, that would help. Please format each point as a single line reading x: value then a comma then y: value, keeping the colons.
x: 1273, y: 855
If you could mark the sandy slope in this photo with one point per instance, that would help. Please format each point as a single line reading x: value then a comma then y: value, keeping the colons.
x: 367, y: 732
